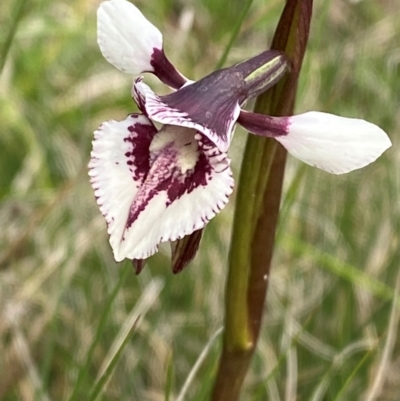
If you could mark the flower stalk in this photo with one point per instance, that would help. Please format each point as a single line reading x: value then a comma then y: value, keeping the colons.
x: 257, y: 212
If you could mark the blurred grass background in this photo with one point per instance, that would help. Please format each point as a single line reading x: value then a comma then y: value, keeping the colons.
x: 66, y: 308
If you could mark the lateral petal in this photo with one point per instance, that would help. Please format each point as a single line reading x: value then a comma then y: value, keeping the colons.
x: 126, y: 38
x: 133, y: 44
x: 335, y: 144
x: 118, y: 166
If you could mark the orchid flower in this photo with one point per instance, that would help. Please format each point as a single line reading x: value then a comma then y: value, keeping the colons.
x: 156, y: 185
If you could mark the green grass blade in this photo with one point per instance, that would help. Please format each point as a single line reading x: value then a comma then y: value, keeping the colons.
x: 111, y: 366
x: 363, y: 361
x: 342, y: 269
x: 196, y: 366
x: 16, y: 17
x: 235, y: 33
x: 83, y: 371
x: 170, y: 377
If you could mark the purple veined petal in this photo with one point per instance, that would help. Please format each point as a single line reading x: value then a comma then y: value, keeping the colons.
x: 133, y: 44
x: 118, y: 166
x: 188, y: 183
x: 335, y: 144
x: 139, y: 90
x: 208, y: 109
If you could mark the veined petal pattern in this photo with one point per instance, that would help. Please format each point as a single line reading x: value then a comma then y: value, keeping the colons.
x: 173, y: 188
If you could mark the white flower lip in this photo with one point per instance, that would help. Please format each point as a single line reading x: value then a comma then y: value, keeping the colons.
x: 152, y: 186
x: 126, y: 38
x: 335, y: 144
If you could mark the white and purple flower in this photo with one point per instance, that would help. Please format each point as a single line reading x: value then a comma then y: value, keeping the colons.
x: 156, y: 185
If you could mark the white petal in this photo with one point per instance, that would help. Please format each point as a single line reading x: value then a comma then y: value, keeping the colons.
x: 175, y: 199
x: 216, y: 125
x: 335, y: 144
x: 126, y: 38
x: 118, y: 167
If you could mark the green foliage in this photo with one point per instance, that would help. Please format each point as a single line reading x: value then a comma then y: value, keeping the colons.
x: 66, y: 307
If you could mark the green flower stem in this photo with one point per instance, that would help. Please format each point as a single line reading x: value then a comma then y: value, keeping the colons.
x: 264, y: 234
x: 257, y: 212
x: 238, y: 335
x: 249, y: 262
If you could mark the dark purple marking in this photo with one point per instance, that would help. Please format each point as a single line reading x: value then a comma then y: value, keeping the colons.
x: 165, y: 71
x: 140, y: 138
x: 199, y: 176
x: 211, y: 101
x: 165, y: 175
x: 262, y: 125
x: 157, y: 180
